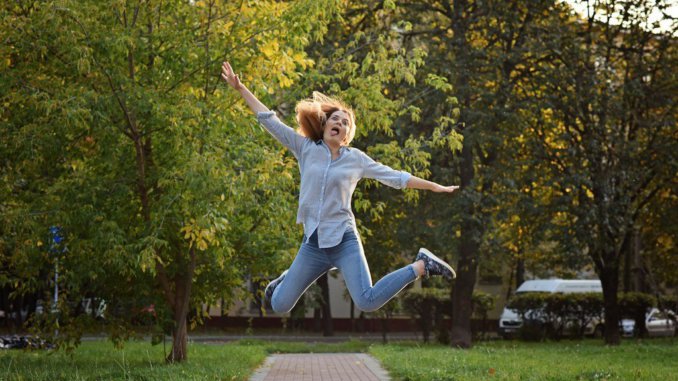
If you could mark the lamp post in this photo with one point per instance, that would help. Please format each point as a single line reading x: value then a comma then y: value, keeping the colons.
x: 56, y: 248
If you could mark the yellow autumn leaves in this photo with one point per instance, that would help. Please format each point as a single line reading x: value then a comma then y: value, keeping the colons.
x: 203, y: 237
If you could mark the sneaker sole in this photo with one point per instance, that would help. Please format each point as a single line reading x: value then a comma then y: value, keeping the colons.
x: 269, y: 284
x: 440, y: 261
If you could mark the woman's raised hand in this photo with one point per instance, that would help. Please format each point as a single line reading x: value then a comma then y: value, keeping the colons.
x: 229, y: 76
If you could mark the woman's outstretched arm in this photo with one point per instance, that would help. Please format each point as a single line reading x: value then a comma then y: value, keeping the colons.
x: 419, y: 183
x: 399, y: 179
x: 283, y: 133
x: 232, y: 79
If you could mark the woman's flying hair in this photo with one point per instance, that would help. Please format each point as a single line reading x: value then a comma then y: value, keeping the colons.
x: 313, y: 113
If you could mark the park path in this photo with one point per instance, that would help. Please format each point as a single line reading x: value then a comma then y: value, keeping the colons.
x: 321, y: 367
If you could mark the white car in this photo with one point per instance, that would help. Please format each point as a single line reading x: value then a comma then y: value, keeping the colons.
x: 658, y: 323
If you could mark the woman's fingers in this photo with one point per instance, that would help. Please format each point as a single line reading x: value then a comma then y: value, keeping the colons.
x: 450, y: 188
x: 228, y: 75
x: 227, y: 69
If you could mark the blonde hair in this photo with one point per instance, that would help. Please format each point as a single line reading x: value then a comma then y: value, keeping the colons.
x: 313, y: 113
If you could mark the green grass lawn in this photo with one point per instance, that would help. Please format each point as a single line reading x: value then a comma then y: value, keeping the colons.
x: 136, y: 361
x: 567, y: 360
x: 142, y: 361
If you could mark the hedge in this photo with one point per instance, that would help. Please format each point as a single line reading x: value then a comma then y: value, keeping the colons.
x: 429, y: 306
x: 554, y: 315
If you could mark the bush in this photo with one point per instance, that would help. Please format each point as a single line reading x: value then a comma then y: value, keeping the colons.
x: 530, y: 307
x: 429, y: 307
x: 553, y: 315
x: 588, y: 307
x: 483, y: 303
x: 635, y: 305
x: 668, y: 303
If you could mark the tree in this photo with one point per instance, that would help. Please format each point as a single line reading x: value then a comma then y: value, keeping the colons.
x: 606, y: 134
x: 157, y: 176
x: 484, y: 50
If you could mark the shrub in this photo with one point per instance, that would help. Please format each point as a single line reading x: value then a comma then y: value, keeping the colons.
x: 636, y: 305
x: 483, y: 303
x: 588, y: 307
x: 553, y: 315
x: 668, y: 303
x: 429, y: 306
x: 426, y: 306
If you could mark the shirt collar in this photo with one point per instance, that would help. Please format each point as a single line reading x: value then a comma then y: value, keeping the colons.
x: 341, y: 149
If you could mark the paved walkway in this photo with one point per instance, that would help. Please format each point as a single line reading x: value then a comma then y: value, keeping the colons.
x: 321, y: 367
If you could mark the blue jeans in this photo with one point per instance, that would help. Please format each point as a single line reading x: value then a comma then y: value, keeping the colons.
x: 348, y: 256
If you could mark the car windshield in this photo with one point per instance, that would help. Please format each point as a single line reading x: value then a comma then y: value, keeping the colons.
x: 659, y: 315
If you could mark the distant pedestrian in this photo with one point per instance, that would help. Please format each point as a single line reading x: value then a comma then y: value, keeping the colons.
x: 330, y: 170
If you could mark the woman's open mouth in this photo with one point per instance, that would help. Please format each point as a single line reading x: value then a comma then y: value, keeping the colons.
x: 334, y: 131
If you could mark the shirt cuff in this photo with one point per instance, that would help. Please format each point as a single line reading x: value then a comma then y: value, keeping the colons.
x: 404, y: 178
x: 261, y: 115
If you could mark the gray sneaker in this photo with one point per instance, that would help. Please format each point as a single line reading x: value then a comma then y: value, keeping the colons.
x: 434, y: 265
x: 268, y: 292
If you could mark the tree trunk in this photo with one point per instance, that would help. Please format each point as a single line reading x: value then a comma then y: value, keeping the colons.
x: 609, y: 278
x: 182, y: 296
x: 328, y: 329
x: 352, y: 315
x: 520, y: 272
x: 638, y: 282
x: 461, y: 336
x: 317, y: 320
x: 628, y: 253
x: 385, y: 328
x: 426, y: 319
x: 361, y: 322
x: 179, y: 351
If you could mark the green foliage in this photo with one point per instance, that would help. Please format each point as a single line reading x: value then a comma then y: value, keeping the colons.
x: 668, y: 303
x: 633, y: 303
x: 118, y: 131
x: 483, y: 303
x: 557, y: 314
x: 554, y: 314
x: 115, y: 128
x: 428, y: 306
x: 363, y: 60
x: 600, y: 133
x: 636, y: 305
x: 431, y: 305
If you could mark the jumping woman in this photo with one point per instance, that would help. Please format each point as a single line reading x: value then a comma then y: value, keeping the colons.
x: 330, y: 170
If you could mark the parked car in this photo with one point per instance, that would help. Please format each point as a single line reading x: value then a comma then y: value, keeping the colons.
x: 510, y: 321
x: 657, y: 322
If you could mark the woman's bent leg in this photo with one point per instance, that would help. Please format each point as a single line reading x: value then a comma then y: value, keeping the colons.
x: 349, y: 257
x: 309, y: 264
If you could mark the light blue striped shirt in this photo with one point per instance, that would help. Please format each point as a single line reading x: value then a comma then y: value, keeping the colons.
x: 327, y: 185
